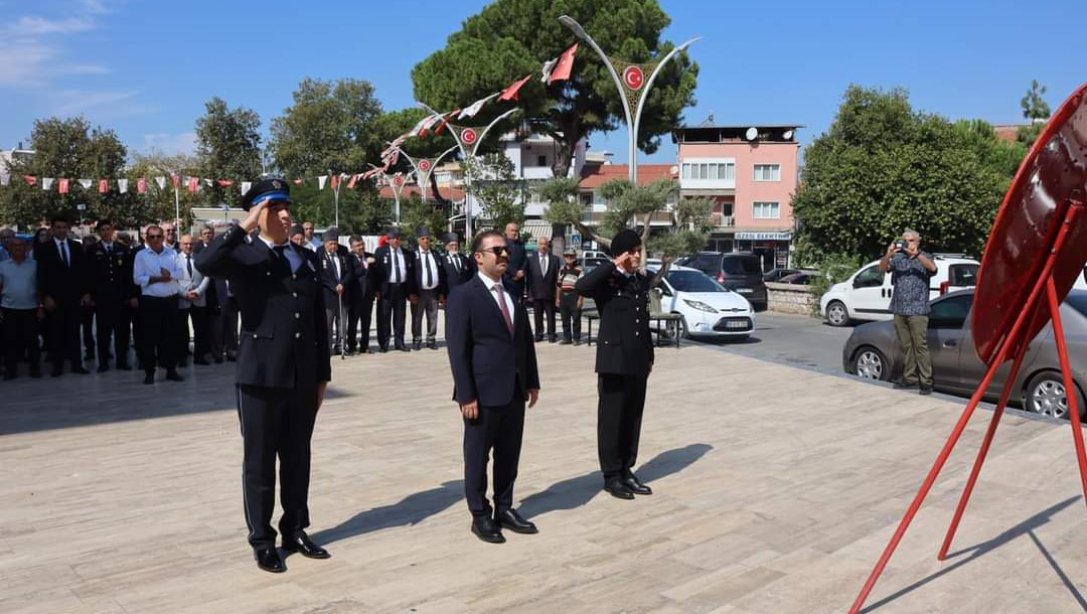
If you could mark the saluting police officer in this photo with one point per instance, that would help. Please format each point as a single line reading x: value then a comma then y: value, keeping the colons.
x: 114, y: 296
x: 283, y: 364
x: 624, y: 359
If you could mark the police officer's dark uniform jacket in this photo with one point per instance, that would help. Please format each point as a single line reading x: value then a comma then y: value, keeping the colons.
x: 111, y: 288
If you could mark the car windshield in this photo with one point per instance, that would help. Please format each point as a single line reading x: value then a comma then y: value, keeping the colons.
x: 1078, y: 301
x: 741, y: 266
x: 692, y: 281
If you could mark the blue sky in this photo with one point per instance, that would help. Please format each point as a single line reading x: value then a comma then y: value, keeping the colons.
x: 145, y: 68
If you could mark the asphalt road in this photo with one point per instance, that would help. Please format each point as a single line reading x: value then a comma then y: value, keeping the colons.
x: 794, y: 340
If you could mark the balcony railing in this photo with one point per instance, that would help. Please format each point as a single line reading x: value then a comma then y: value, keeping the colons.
x: 723, y: 221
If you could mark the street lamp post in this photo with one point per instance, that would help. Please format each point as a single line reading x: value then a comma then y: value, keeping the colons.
x: 336, y: 197
x: 633, y: 81
x: 468, y: 140
x: 396, y: 182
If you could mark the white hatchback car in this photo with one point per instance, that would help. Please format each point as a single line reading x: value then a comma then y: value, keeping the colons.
x: 866, y: 295
x: 706, y: 308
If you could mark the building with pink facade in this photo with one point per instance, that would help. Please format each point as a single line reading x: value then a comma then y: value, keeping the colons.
x: 751, y: 174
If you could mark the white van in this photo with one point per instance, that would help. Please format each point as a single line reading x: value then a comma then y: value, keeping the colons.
x: 866, y: 295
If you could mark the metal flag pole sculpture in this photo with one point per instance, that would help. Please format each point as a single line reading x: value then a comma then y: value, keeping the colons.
x: 1031, y: 260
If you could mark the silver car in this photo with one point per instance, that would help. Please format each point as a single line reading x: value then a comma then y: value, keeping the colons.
x: 873, y: 352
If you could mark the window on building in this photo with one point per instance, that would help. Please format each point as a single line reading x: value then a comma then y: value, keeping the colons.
x: 767, y: 211
x: 541, y: 160
x: 709, y: 170
x: 767, y: 172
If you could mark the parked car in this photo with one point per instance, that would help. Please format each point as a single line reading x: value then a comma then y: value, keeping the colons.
x: 801, y: 278
x: 873, y: 352
x: 706, y: 308
x: 776, y: 274
x: 740, y: 272
x: 866, y: 295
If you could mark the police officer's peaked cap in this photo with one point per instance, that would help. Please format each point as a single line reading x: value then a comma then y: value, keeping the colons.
x: 267, y: 190
x: 625, y: 241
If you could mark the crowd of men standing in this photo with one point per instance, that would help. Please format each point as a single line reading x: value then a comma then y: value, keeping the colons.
x: 93, y: 299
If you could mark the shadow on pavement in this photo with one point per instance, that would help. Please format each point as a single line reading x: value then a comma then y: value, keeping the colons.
x: 1023, y: 528
x: 410, y: 510
x: 577, y: 491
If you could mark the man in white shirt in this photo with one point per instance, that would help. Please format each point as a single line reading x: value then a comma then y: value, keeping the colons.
x: 393, y: 269
x: 309, y: 241
x: 192, y: 305
x: 430, y: 290
x: 156, y: 273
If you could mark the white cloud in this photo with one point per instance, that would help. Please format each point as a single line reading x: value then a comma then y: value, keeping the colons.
x: 30, y: 26
x: 98, y: 104
x: 170, y: 144
x: 34, y: 49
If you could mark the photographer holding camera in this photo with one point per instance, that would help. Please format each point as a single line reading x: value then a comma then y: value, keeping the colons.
x: 911, y: 270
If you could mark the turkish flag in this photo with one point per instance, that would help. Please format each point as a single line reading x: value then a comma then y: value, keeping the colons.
x: 194, y: 184
x: 297, y: 181
x: 62, y: 186
x: 351, y: 182
x: 565, y: 65
x: 176, y: 179
x: 103, y: 186
x: 141, y: 185
x: 30, y: 179
x: 511, y: 92
x: 335, y: 182
x: 225, y: 183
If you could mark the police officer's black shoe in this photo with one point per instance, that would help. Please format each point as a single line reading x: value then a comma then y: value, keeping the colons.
x: 268, y: 560
x: 510, y: 519
x: 302, y: 544
x: 487, y: 530
x: 635, y: 485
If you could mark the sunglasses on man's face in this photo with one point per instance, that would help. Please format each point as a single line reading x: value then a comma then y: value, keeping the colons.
x: 153, y: 237
x: 498, y: 250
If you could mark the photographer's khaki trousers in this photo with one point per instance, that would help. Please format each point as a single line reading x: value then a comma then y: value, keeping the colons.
x: 913, y: 337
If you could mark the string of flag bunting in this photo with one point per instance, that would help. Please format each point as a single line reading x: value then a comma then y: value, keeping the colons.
x: 552, y: 71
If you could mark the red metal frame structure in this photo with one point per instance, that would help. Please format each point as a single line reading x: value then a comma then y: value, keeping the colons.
x: 1031, y: 259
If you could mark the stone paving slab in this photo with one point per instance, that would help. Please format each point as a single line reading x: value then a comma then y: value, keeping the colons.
x: 776, y: 490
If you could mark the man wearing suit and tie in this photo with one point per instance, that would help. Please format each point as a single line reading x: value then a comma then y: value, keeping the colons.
x: 393, y: 272
x: 283, y: 365
x: 192, y: 305
x: 63, y: 285
x: 361, y: 292
x: 336, y: 277
x: 430, y: 290
x: 494, y: 374
x: 458, y: 269
x: 543, y: 275
x: 624, y: 359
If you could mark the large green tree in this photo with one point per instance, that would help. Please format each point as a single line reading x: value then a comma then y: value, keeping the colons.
x: 70, y: 149
x: 228, y: 147
x: 883, y: 167
x: 512, y: 38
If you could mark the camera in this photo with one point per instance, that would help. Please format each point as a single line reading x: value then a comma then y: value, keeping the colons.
x: 900, y: 245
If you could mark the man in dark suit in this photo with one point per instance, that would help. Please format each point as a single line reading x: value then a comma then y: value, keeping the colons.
x: 361, y: 293
x: 430, y: 290
x: 63, y: 284
x: 515, y: 274
x: 283, y: 365
x: 336, y: 277
x: 494, y: 373
x: 114, y: 296
x: 393, y: 273
x: 543, y: 274
x: 458, y: 268
x: 624, y: 359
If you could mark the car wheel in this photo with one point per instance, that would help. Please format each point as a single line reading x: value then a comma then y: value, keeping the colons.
x: 1045, y: 395
x: 837, y: 314
x: 683, y: 332
x: 869, y: 363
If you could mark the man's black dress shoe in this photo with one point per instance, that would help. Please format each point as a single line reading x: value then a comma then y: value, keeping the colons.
x: 616, y: 488
x: 487, y: 530
x: 510, y: 519
x: 926, y: 390
x: 433, y: 345
x: 903, y: 384
x: 268, y: 560
x: 102, y: 368
x: 174, y: 376
x: 302, y: 544
x: 149, y: 378
x: 635, y: 485
x: 417, y: 345
x: 404, y: 348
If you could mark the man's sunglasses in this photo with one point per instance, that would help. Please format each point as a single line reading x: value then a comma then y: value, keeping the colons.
x: 497, y: 250
x: 154, y: 236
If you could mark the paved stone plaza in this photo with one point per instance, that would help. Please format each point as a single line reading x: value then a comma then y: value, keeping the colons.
x: 776, y: 490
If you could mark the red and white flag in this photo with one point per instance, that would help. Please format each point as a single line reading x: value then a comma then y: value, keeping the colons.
x: 245, y: 186
x: 47, y: 183
x: 475, y: 107
x: 62, y: 186
x: 161, y: 182
x: 335, y: 183
x: 351, y: 181
x: 193, y: 184
x: 321, y: 179
x: 511, y: 92
x: 30, y: 179
x: 225, y: 183
x: 427, y: 124
x: 141, y: 185
x: 296, y: 181
x: 176, y: 180
x: 122, y: 186
x: 86, y: 183
x: 565, y: 65
x: 103, y: 186
x: 445, y: 120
